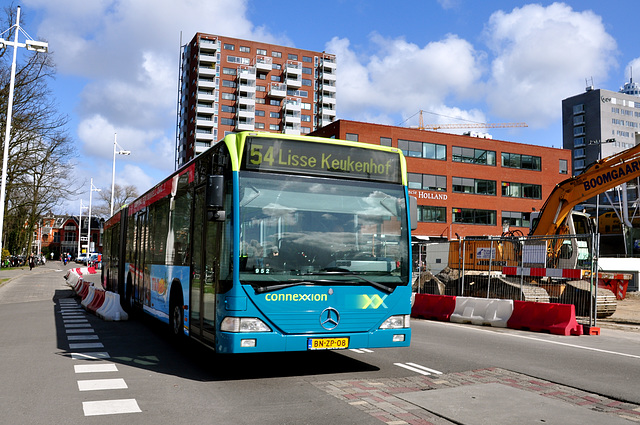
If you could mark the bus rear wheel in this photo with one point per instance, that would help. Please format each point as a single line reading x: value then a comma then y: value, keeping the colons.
x: 176, y: 316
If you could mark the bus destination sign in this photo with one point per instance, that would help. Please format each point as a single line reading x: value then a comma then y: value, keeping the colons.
x: 325, y: 159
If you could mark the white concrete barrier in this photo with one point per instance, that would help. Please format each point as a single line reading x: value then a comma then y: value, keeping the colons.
x: 85, y: 302
x: 481, y: 311
x: 111, y: 309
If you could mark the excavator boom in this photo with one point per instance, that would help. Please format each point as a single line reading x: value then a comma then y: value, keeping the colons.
x: 601, y: 176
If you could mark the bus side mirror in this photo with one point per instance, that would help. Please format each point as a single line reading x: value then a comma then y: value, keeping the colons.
x: 413, y: 212
x: 215, y: 198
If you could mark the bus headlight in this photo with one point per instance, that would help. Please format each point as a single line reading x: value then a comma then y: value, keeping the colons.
x: 396, y: 322
x: 243, y: 324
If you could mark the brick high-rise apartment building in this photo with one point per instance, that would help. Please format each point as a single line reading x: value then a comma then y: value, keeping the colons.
x: 229, y: 85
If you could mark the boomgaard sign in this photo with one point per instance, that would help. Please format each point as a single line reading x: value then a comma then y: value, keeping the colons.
x: 621, y: 173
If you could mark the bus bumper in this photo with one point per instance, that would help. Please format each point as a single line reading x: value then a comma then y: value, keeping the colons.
x: 274, y: 342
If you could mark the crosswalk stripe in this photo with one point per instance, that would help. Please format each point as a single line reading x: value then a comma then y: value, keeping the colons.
x: 91, y: 355
x: 110, y: 407
x: 95, y: 368
x: 102, y: 384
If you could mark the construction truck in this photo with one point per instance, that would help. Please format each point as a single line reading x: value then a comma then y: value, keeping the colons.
x: 556, y: 227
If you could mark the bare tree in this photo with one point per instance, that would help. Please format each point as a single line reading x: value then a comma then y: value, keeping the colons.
x: 122, y: 195
x: 40, y: 151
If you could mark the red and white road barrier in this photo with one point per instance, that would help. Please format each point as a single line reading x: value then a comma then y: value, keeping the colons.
x: 103, y: 304
x: 557, y: 319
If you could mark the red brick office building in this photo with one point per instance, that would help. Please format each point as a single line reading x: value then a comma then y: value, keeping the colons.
x: 466, y: 186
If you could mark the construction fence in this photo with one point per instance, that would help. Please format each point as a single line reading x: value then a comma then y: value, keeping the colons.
x: 541, y: 269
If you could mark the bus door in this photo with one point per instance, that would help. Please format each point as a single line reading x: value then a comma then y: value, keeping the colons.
x: 205, y: 269
x: 140, y: 249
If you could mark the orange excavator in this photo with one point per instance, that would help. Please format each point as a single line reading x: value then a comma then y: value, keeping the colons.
x: 557, y: 218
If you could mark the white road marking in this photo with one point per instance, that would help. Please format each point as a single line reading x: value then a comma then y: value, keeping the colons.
x: 77, y: 325
x: 361, y: 350
x: 102, y: 384
x: 95, y: 368
x: 80, y: 331
x: 82, y: 337
x: 435, y: 372
x: 90, y: 356
x: 84, y: 345
x: 413, y: 369
x: 110, y: 407
x: 633, y: 356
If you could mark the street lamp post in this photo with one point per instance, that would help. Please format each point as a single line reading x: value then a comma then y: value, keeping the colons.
x: 30, y: 44
x: 82, y: 207
x: 93, y: 189
x: 113, y: 173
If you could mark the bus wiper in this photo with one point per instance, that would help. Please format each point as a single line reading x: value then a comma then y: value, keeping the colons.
x: 338, y: 271
x: 291, y: 283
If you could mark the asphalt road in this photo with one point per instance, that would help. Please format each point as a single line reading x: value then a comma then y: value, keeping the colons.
x: 129, y: 373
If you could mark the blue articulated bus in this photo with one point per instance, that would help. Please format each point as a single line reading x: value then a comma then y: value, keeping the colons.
x: 271, y: 242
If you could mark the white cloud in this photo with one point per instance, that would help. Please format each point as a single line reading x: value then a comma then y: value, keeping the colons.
x: 542, y: 55
x: 403, y: 77
x: 126, y: 55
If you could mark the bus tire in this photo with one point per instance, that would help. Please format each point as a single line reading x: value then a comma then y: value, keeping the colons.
x: 176, y: 313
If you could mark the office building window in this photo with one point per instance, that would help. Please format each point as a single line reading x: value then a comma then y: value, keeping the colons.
x: 474, y: 186
x: 563, y: 167
x: 522, y: 190
x: 422, y: 150
x: 385, y: 141
x: 427, y: 182
x: 525, y: 162
x: 228, y: 46
x: 473, y: 216
x: 430, y: 214
x: 514, y: 218
x: 473, y: 156
x: 352, y: 137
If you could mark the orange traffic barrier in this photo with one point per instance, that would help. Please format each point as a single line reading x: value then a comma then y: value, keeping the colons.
x: 435, y: 307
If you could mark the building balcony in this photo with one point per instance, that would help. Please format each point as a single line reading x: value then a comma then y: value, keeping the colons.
x: 329, y: 64
x: 329, y: 77
x: 278, y: 90
x: 207, y: 45
x: 246, y: 114
x: 292, y: 119
x: 329, y: 88
x: 250, y: 89
x: 206, y: 97
x: 204, y: 137
x: 207, y: 59
x: 245, y: 125
x: 204, y: 123
x: 328, y: 101
x: 201, y: 109
x: 207, y: 71
x: 246, y: 74
x: 246, y: 101
x: 293, y: 130
x: 293, y: 81
x: 293, y: 68
x: 206, y: 83
x: 292, y: 105
x: 264, y: 63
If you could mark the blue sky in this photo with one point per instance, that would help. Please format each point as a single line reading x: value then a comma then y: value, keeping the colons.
x: 485, y: 61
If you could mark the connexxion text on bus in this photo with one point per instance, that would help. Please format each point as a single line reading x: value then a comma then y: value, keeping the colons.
x: 270, y: 242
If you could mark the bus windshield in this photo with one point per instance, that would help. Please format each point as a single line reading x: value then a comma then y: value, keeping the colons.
x: 312, y: 230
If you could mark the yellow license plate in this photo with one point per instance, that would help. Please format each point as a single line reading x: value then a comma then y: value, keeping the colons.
x: 327, y: 343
